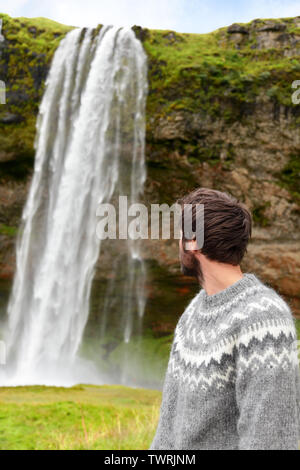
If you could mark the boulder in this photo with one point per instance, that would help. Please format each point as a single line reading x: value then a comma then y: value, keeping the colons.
x: 272, y: 26
x: 10, y: 118
x: 237, y: 28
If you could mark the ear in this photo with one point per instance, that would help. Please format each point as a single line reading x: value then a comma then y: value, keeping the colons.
x: 191, y: 245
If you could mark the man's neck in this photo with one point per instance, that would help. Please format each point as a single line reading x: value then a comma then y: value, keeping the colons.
x: 218, y: 278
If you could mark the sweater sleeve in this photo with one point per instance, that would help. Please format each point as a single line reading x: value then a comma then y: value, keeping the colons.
x: 164, y: 435
x: 268, y: 385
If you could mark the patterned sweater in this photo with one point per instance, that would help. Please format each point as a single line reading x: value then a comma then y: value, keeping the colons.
x: 232, y: 380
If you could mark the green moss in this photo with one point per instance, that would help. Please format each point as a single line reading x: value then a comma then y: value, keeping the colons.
x: 78, y: 418
x: 290, y: 176
x: 198, y: 154
x: 297, y: 324
x: 206, y: 71
x: 258, y: 214
x: 25, y: 60
x: 194, y: 73
x: 9, y: 231
x: 229, y: 157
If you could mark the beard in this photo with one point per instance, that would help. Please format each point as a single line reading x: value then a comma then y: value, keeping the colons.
x: 192, y: 268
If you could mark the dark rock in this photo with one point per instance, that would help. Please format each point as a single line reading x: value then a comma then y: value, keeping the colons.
x: 39, y: 74
x: 32, y: 30
x: 16, y: 97
x: 275, y: 27
x: 173, y: 37
x: 284, y: 38
x: 41, y: 58
x: 10, y: 118
x: 237, y: 28
x: 141, y: 33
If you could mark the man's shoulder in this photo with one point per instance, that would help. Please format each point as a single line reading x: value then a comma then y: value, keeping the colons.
x: 267, y: 304
x: 267, y: 313
x: 267, y: 333
x: 258, y: 308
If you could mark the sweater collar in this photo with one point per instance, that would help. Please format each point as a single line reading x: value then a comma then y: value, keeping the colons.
x: 225, y: 295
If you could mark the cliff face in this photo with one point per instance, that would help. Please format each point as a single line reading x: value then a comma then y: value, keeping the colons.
x: 219, y: 114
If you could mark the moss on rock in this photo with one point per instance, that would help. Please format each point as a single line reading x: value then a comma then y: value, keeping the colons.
x: 290, y: 176
x: 25, y: 59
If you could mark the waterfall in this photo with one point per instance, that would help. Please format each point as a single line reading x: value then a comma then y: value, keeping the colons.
x: 89, y: 149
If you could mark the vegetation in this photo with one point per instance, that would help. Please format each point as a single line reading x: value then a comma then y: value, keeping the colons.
x: 290, y: 176
x: 297, y: 324
x: 9, y: 231
x: 82, y: 417
x: 25, y: 58
x: 216, y: 74
x: 258, y: 215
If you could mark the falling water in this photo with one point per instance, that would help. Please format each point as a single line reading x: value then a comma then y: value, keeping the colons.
x: 89, y: 149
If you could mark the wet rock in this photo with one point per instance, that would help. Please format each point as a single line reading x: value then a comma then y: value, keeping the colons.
x: 39, y: 74
x: 10, y: 118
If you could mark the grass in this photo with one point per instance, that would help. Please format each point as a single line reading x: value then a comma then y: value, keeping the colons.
x: 78, y: 418
x: 207, y: 72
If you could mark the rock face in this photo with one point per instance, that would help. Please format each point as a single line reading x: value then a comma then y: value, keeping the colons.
x: 252, y: 157
x: 268, y: 34
x: 219, y: 115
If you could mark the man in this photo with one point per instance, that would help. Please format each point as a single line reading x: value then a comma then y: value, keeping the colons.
x: 232, y: 380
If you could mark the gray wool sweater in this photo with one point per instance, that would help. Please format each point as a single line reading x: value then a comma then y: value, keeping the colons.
x: 232, y: 380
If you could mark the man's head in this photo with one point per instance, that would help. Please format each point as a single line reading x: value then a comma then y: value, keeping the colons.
x: 227, y: 230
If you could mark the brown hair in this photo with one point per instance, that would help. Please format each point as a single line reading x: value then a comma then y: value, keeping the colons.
x: 227, y: 224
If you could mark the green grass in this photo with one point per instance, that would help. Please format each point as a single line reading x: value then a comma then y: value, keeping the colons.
x: 207, y: 72
x: 82, y: 417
